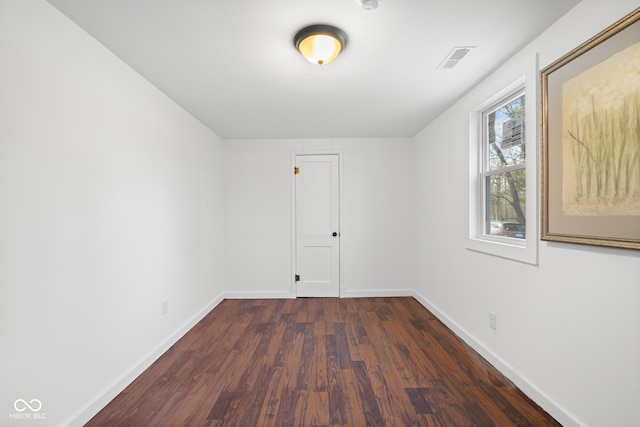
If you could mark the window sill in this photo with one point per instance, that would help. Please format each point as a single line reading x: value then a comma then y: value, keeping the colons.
x: 514, y: 249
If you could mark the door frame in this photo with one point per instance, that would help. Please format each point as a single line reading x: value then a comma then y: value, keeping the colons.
x: 294, y: 154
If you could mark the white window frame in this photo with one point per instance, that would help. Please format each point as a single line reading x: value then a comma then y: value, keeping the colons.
x: 523, y: 250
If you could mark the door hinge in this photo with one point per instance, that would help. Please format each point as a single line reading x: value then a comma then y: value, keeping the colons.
x: 297, y: 277
x: 296, y: 170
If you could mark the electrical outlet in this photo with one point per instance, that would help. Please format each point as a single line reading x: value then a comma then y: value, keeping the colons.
x: 492, y: 320
x: 165, y: 307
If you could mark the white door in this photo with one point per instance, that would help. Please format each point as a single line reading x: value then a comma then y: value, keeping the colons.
x: 317, y: 226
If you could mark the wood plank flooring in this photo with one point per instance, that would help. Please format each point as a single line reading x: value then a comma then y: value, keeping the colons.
x: 321, y: 362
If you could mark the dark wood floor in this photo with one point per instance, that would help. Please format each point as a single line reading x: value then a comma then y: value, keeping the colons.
x: 321, y: 362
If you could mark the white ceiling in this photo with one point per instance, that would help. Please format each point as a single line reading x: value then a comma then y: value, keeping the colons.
x: 232, y: 63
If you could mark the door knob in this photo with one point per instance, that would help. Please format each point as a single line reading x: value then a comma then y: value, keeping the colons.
x: 335, y: 234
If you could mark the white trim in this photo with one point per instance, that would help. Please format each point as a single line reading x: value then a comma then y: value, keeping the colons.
x: 315, y: 152
x: 377, y: 293
x: 523, y: 250
x: 102, y: 399
x: 560, y: 414
x: 258, y: 295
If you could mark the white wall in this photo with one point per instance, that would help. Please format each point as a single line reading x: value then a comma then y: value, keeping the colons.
x: 110, y: 202
x: 568, y: 330
x: 376, y: 215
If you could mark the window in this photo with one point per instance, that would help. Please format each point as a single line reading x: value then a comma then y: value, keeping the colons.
x: 502, y: 174
x: 503, y: 170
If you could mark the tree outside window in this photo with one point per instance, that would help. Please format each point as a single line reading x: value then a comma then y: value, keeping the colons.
x: 503, y: 172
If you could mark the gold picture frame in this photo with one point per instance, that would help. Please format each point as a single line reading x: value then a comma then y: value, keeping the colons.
x: 590, y: 141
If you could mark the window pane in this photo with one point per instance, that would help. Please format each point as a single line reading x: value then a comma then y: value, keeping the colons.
x: 506, y: 135
x: 505, y: 204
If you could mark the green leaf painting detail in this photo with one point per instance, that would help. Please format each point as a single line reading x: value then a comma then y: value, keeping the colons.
x: 601, y: 138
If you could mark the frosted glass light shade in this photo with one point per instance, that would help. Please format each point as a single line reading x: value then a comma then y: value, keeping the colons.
x: 320, y: 44
x: 320, y: 49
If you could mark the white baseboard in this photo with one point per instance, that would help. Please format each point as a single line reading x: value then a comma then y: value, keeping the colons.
x: 99, y: 402
x: 345, y: 293
x: 561, y: 415
x: 258, y: 295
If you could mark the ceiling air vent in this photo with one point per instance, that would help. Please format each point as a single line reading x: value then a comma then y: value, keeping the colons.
x: 455, y: 56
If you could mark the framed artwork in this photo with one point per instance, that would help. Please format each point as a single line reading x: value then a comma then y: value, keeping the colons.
x: 590, y: 148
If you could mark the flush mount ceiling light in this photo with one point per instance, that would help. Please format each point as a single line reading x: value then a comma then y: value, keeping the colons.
x: 320, y: 44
